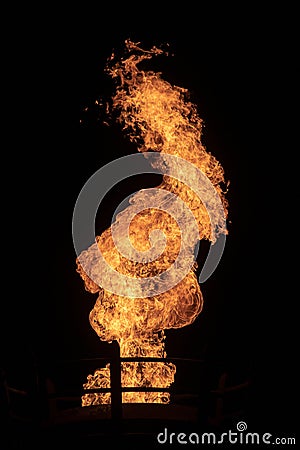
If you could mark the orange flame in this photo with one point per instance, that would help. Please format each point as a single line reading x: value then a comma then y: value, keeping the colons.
x: 157, y: 117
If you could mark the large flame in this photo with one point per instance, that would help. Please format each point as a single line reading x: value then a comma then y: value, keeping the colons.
x: 157, y: 117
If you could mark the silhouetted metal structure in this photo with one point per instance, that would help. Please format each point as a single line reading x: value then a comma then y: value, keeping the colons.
x: 194, y: 406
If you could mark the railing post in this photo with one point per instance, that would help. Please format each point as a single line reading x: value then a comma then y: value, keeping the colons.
x: 115, y: 382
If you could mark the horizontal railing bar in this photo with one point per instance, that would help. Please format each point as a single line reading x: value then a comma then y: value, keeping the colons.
x: 17, y: 391
x: 106, y: 390
x: 122, y: 359
x: 155, y: 359
x: 144, y: 359
x: 79, y: 393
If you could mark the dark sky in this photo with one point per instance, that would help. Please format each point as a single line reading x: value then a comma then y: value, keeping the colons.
x: 228, y: 67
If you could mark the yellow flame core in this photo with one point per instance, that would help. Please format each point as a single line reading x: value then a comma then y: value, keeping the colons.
x: 157, y: 117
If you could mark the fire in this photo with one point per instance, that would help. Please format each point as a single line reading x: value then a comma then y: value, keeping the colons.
x: 158, y: 117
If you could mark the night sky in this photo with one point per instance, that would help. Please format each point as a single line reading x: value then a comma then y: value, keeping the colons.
x: 227, y: 68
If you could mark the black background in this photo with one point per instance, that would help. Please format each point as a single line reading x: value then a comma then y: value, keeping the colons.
x: 237, y: 69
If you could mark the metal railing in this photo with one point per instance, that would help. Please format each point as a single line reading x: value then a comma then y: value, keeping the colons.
x: 116, y: 389
x: 218, y: 396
